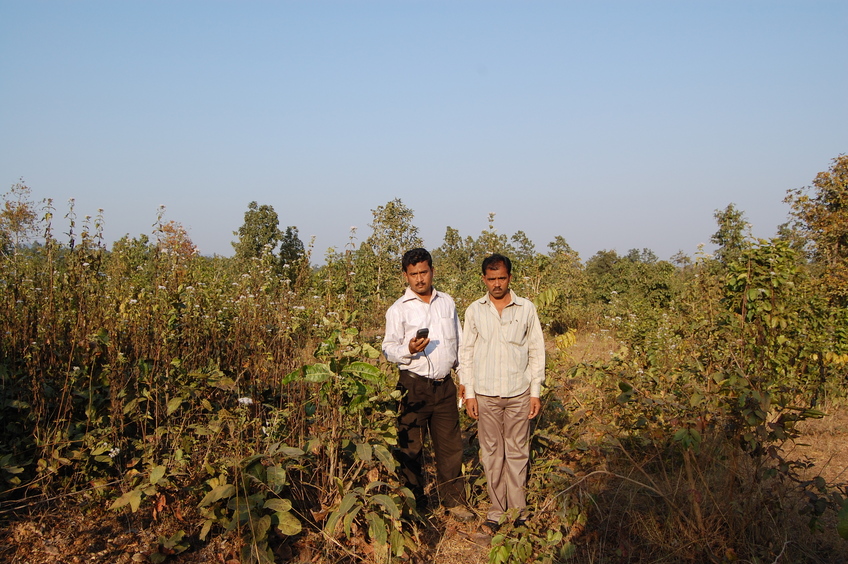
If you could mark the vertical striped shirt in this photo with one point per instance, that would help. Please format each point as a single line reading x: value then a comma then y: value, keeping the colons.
x: 502, y: 354
x: 409, y: 314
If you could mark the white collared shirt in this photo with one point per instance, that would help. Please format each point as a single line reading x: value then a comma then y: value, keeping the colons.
x: 409, y: 314
x: 502, y: 354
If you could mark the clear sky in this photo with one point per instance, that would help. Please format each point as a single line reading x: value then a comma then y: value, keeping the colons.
x: 615, y: 124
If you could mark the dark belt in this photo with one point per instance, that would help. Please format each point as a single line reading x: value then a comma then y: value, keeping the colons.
x: 434, y: 381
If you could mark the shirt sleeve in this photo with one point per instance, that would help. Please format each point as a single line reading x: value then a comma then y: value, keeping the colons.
x: 536, y: 354
x: 395, y: 348
x: 466, y: 353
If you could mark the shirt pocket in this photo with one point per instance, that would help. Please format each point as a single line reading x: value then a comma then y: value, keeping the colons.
x: 515, y: 332
x: 447, y: 326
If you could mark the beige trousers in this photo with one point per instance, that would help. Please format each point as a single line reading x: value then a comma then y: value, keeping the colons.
x: 504, y: 433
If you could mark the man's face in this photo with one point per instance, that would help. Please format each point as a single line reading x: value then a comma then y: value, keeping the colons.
x: 497, y: 281
x: 419, y: 276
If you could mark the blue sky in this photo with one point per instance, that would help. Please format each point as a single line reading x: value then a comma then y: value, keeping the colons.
x: 614, y: 124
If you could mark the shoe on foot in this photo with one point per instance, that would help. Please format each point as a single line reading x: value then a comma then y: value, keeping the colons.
x: 490, y: 527
x: 461, y: 513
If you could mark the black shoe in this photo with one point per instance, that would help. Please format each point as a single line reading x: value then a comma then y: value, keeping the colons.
x: 490, y: 527
x: 521, y: 520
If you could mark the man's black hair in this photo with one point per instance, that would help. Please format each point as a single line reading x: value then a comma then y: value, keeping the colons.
x: 492, y: 262
x: 414, y: 256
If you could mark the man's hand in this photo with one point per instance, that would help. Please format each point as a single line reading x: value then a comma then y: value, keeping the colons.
x: 462, y: 392
x: 471, y: 407
x: 418, y: 345
x: 535, y: 407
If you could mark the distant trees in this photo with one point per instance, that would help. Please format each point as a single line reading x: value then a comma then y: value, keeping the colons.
x: 379, y: 257
x: 260, y: 234
x: 731, y: 236
x: 18, y: 218
x: 820, y: 214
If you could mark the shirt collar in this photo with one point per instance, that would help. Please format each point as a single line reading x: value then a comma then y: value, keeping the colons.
x: 409, y: 295
x: 515, y: 300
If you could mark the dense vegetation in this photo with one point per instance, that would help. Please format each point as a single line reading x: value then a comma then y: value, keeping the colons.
x: 248, y: 394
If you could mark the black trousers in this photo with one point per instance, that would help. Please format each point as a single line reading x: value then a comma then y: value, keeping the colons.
x: 429, y: 405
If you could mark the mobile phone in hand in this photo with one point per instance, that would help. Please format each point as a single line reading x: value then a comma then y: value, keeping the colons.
x: 422, y: 333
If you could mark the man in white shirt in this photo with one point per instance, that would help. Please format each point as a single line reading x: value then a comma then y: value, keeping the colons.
x: 503, y: 367
x: 429, y: 394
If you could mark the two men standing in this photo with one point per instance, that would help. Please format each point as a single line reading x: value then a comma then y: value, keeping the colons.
x: 500, y: 359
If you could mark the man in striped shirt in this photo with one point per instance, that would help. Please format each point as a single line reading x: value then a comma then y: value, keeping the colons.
x: 503, y: 367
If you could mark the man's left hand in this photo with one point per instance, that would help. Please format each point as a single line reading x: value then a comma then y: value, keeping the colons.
x: 535, y: 407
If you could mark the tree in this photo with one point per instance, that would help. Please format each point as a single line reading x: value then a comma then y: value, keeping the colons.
x: 490, y: 241
x: 259, y: 233
x: 820, y: 212
x: 528, y: 266
x: 456, y: 271
x: 18, y: 219
x: 561, y: 303
x: 292, y: 254
x: 731, y: 235
x: 392, y: 234
x: 645, y: 256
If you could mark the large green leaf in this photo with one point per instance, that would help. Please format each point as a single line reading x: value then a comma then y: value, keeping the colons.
x: 278, y: 505
x: 174, y: 404
x: 276, y: 478
x: 388, y: 503
x: 318, y: 373
x: 157, y: 474
x: 347, y: 503
x: 132, y: 497
x: 363, y: 452
x: 369, y: 351
x: 348, y: 520
x: 260, y: 530
x: 384, y: 456
x: 364, y: 370
x: 218, y: 492
x: 288, y: 525
x: 294, y: 375
x: 379, y: 533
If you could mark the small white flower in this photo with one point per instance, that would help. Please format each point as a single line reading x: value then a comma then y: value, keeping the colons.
x: 85, y: 264
x: 114, y: 452
x: 245, y: 401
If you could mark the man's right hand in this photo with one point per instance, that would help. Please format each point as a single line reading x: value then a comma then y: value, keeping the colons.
x: 418, y: 345
x: 471, y: 407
